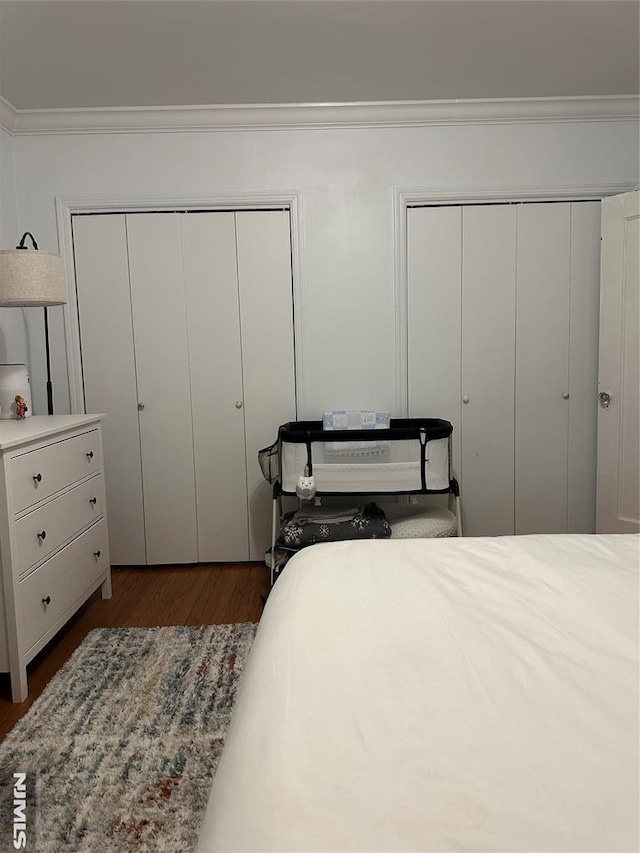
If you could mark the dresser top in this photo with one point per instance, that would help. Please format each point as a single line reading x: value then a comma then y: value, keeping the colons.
x: 13, y: 433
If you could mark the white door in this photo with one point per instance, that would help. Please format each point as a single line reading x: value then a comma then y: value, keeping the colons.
x: 186, y: 323
x: 502, y: 341
x: 618, y: 503
x: 584, y: 313
x: 488, y: 353
x: 542, y: 367
x: 434, y: 272
x: 217, y: 396
x: 164, y: 389
x: 268, y: 367
x: 109, y: 374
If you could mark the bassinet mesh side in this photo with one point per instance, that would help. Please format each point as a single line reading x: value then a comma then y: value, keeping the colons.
x: 269, y: 459
x: 304, y: 442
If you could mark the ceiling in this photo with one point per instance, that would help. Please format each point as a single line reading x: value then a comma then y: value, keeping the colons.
x: 136, y: 53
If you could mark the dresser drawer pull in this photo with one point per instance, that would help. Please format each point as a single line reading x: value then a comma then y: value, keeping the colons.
x: 90, y: 454
x: 42, y: 535
x: 46, y: 600
x: 93, y: 501
x: 96, y: 554
x: 37, y: 478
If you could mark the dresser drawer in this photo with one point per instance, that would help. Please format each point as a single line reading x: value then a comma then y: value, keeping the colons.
x: 44, y: 530
x: 45, y: 595
x: 40, y: 473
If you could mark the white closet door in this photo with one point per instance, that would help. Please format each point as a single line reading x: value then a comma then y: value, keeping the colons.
x: 266, y: 317
x: 619, y: 368
x: 488, y: 368
x: 542, y: 367
x: 434, y: 268
x: 108, y: 367
x: 211, y: 285
x: 583, y: 365
x: 162, y: 361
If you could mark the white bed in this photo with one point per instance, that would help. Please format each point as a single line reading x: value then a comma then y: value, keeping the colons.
x: 439, y: 695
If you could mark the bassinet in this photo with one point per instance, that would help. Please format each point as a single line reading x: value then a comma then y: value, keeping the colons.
x: 412, y: 457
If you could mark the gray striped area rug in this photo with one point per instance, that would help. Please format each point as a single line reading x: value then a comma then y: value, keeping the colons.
x: 119, y: 752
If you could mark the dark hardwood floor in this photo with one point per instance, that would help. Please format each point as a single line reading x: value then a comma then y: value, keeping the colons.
x: 147, y: 597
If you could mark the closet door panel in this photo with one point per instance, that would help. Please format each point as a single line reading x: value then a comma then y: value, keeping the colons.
x: 434, y: 269
x: 488, y: 368
x: 211, y: 286
x: 542, y: 367
x: 583, y: 365
x: 162, y: 361
x: 266, y: 317
x: 108, y: 367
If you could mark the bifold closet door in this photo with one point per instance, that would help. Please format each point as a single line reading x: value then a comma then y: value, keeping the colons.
x: 164, y: 392
x: 268, y: 363
x: 135, y: 369
x: 584, y: 329
x: 488, y: 368
x: 502, y: 341
x: 434, y: 304
x: 237, y: 269
x: 213, y: 317
x: 186, y: 322
x: 542, y: 367
x: 556, y: 366
x: 108, y: 368
x: 461, y: 331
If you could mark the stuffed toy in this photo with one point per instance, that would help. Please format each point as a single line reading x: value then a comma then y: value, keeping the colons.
x: 21, y: 407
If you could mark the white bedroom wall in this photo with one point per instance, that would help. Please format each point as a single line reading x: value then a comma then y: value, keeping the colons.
x: 13, y: 334
x: 8, y: 201
x: 347, y: 178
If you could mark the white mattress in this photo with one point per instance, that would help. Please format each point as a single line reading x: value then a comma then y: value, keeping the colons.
x: 439, y: 695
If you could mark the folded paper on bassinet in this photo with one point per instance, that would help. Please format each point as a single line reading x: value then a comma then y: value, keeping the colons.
x: 355, y: 420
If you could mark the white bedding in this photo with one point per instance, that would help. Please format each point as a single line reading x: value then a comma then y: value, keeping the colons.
x: 439, y: 695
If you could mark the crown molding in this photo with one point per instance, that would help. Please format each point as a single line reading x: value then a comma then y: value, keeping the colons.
x: 320, y: 116
x: 8, y: 115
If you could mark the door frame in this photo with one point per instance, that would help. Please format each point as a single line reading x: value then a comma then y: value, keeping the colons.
x: 291, y: 200
x: 405, y: 198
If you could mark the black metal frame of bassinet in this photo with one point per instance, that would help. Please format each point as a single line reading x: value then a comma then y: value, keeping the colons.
x: 400, y: 429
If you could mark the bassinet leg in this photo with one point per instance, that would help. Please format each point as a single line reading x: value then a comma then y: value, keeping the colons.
x: 454, y: 495
x: 458, y: 514
x: 274, y: 527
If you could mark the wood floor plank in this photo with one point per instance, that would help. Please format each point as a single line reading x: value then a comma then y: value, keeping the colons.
x: 124, y: 583
x: 147, y: 597
x: 148, y: 602
x: 198, y: 587
x: 246, y: 583
x: 179, y: 591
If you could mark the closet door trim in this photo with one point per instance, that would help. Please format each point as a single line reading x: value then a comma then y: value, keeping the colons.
x: 405, y: 198
x: 291, y: 200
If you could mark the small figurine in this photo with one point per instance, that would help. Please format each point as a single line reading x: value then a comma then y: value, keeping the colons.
x: 21, y: 407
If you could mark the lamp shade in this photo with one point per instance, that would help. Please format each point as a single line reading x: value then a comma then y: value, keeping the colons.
x: 31, y: 278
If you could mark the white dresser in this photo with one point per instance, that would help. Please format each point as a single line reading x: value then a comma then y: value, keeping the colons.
x: 54, y: 546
